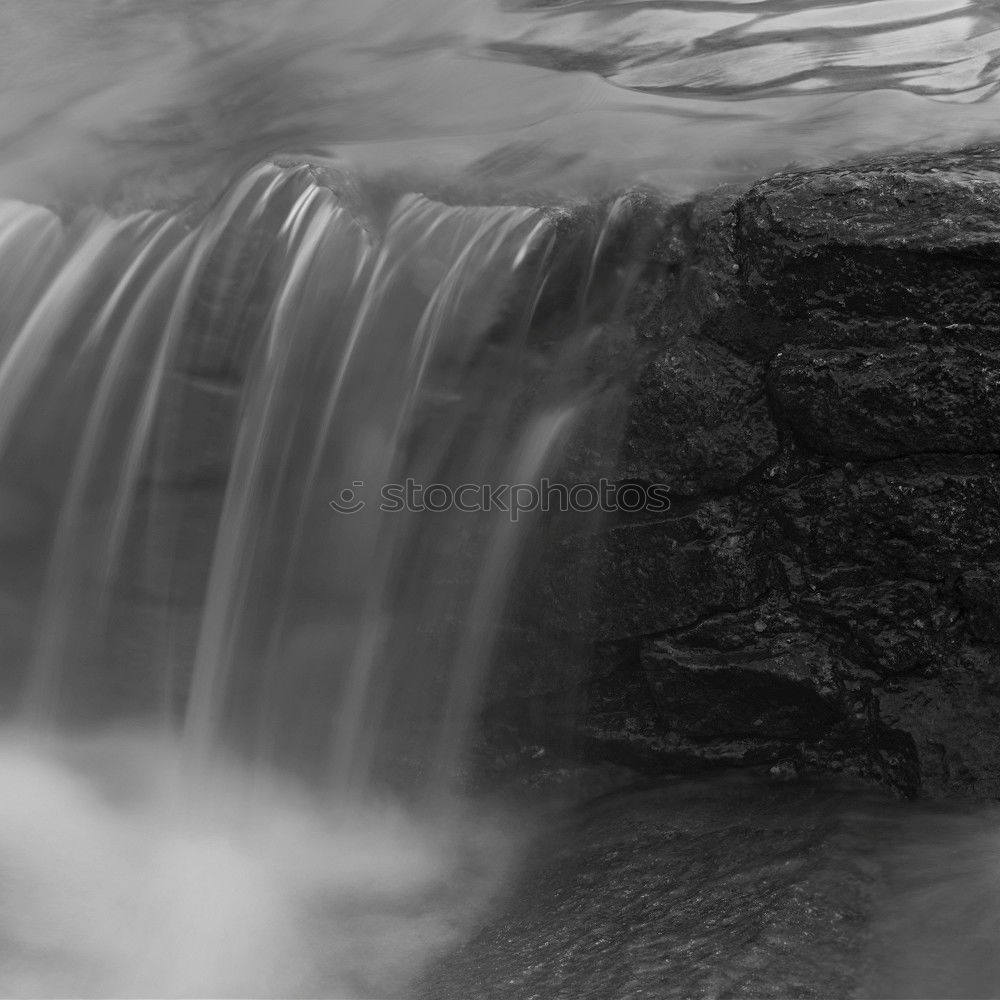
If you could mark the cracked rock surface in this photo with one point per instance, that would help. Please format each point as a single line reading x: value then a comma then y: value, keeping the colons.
x: 822, y: 595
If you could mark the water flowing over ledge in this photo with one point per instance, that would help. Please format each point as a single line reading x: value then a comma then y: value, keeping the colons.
x: 191, y: 576
x: 148, y: 103
x: 239, y: 694
x: 216, y: 674
x: 211, y: 386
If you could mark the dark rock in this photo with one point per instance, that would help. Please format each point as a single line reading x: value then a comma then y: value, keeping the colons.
x: 930, y: 519
x: 699, y: 422
x: 892, y: 627
x: 867, y: 404
x: 707, y: 694
x: 897, y: 251
x: 954, y: 720
x: 823, y: 594
x: 654, y: 577
x: 979, y: 599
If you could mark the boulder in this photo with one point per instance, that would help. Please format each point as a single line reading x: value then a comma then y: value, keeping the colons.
x: 822, y: 595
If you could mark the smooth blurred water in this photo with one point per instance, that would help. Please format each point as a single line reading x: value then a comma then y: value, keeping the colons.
x: 205, y: 339
x: 182, y: 396
x: 148, y: 100
x: 122, y: 879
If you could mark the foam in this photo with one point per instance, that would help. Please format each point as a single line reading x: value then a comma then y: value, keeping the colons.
x: 116, y: 884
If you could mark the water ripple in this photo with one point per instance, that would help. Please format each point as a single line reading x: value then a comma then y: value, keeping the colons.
x: 945, y: 48
x: 147, y: 101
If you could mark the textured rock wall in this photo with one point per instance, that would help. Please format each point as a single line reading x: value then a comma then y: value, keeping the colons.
x: 823, y: 594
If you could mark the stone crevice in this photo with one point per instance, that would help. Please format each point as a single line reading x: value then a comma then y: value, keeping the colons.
x: 825, y: 409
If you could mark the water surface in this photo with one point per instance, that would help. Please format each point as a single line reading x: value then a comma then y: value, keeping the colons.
x: 187, y: 378
x: 151, y: 99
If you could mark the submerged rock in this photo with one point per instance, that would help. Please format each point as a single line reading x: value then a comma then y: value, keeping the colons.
x: 688, y: 889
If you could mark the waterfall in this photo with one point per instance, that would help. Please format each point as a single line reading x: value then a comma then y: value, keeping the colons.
x: 257, y: 579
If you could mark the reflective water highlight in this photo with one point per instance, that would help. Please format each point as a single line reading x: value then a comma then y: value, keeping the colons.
x: 145, y: 103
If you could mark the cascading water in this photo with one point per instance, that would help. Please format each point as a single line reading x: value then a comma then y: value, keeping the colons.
x: 239, y: 670
x: 239, y: 401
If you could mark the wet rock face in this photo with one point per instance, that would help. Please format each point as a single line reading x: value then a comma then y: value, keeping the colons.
x: 823, y: 594
x: 700, y: 421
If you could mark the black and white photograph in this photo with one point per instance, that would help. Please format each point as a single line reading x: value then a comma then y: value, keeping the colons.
x: 500, y: 500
